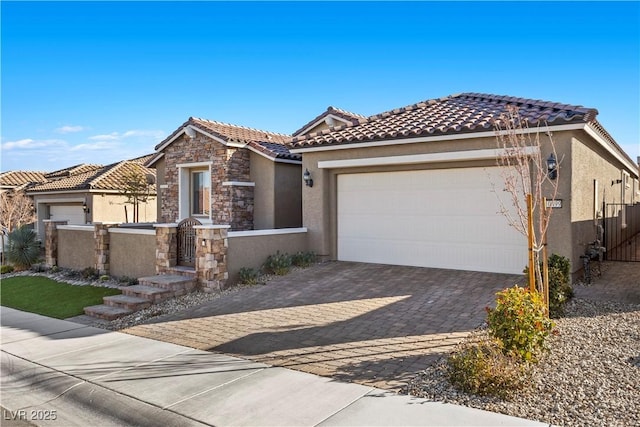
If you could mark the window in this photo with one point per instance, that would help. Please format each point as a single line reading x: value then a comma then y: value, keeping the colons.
x: 200, y: 190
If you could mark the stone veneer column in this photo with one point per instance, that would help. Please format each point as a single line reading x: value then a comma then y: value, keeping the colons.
x: 211, y: 256
x: 102, y: 241
x: 166, y: 247
x: 51, y: 241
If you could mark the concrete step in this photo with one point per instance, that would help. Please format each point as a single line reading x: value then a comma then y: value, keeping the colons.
x: 180, y: 270
x: 152, y: 294
x: 179, y: 285
x: 106, y: 312
x: 127, y: 301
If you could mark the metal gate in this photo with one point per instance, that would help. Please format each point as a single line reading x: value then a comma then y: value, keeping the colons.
x: 187, y: 242
x: 622, y: 232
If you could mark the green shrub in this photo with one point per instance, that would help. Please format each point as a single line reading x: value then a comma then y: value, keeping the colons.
x: 104, y: 278
x: 560, y: 290
x: 6, y: 269
x: 55, y: 269
x: 90, y: 273
x: 519, y: 322
x: 23, y: 249
x: 278, y: 264
x: 249, y: 276
x: 482, y: 368
x: 128, y: 281
x: 303, y: 259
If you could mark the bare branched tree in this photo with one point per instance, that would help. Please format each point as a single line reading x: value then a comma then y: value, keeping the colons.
x: 525, y: 172
x: 16, y: 210
x: 137, y: 189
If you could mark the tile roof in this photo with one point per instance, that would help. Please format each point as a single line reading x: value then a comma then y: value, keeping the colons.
x: 455, y: 114
x: 107, y: 178
x: 20, y: 178
x: 143, y: 159
x: 346, y: 115
x: 270, y: 143
x: 71, y: 171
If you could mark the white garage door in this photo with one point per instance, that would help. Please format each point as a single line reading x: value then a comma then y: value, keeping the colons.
x: 445, y: 218
x: 72, y: 213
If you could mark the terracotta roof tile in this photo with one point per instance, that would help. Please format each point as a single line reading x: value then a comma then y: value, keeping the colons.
x: 455, y: 114
x: 110, y: 177
x: 270, y: 143
x: 72, y: 170
x: 346, y: 115
x: 20, y: 178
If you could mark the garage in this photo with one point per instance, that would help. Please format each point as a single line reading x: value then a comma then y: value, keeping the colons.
x: 442, y: 218
x: 74, y: 214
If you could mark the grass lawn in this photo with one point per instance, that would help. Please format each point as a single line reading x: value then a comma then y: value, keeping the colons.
x: 44, y: 296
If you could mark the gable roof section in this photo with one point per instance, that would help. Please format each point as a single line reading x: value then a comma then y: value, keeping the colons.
x: 270, y: 144
x: 109, y: 178
x: 72, y: 171
x: 20, y: 179
x: 455, y: 114
x: 331, y: 113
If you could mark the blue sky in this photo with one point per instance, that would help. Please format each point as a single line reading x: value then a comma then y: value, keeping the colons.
x: 101, y: 82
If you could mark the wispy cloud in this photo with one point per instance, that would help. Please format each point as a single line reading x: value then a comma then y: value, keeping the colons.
x: 28, y: 144
x: 100, y: 145
x: 153, y: 135
x: 69, y: 129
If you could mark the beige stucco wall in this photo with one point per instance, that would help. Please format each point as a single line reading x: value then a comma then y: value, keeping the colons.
x: 76, y: 247
x: 263, y: 175
x: 252, y: 250
x: 160, y: 182
x: 111, y: 208
x: 132, y: 253
x: 288, y: 195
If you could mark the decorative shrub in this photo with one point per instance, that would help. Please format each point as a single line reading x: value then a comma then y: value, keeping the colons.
x: 104, y: 278
x: 278, y: 264
x: 249, y: 276
x: 6, y: 269
x: 560, y: 290
x: 90, y: 273
x: 483, y: 368
x: 23, y: 249
x: 303, y: 259
x: 128, y: 281
x: 519, y: 322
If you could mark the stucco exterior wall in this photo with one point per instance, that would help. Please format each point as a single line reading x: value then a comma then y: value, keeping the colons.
x: 111, y: 208
x: 76, y: 247
x: 160, y: 183
x: 132, y: 252
x: 263, y: 175
x: 251, y: 249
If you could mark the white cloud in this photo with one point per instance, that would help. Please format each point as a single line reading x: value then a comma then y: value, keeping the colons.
x: 110, y: 137
x: 69, y: 129
x: 100, y: 145
x: 28, y: 144
x: 154, y: 135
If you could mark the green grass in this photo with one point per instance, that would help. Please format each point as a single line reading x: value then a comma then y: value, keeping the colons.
x: 50, y: 298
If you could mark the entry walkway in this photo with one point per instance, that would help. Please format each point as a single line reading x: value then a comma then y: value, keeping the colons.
x: 372, y: 324
x: 60, y: 373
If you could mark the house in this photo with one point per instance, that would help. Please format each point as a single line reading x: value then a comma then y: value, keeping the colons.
x: 19, y: 180
x: 420, y: 185
x: 84, y: 194
x: 221, y: 173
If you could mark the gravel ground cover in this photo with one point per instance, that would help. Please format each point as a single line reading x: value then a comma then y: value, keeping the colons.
x: 590, y: 377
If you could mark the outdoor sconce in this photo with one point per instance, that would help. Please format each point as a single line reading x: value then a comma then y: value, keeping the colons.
x: 552, y: 167
x: 616, y: 181
x: 85, y: 208
x: 306, y: 177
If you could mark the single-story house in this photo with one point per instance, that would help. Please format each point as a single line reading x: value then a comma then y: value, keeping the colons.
x: 225, y: 174
x: 19, y: 180
x: 85, y: 194
x: 420, y: 185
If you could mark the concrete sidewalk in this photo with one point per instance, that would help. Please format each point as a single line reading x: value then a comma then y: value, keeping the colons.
x: 77, y: 375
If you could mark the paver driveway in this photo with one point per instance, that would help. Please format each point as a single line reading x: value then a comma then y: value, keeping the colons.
x: 368, y: 323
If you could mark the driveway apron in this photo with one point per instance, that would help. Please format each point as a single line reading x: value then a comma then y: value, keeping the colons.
x: 368, y: 323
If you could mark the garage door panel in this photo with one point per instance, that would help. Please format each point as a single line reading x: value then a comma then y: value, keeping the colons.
x: 73, y: 214
x: 434, y: 218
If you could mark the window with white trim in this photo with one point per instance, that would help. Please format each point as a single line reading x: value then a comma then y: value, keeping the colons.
x: 200, y: 192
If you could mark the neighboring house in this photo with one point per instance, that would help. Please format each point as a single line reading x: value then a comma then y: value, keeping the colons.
x: 19, y: 180
x: 415, y: 185
x: 85, y: 194
x: 226, y: 174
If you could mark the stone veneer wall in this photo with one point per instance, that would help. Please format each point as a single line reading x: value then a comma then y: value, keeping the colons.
x: 230, y: 204
x: 51, y: 241
x: 211, y: 256
x: 166, y: 247
x: 102, y: 239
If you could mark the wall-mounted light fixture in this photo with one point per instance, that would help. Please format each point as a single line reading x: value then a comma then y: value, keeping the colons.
x: 306, y: 177
x: 552, y: 167
x: 616, y: 181
x: 85, y: 208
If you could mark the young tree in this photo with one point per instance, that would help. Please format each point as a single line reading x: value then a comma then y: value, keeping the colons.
x: 527, y: 177
x: 16, y: 210
x: 137, y: 188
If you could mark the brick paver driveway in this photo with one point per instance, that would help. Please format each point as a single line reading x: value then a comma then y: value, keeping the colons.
x: 367, y: 323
